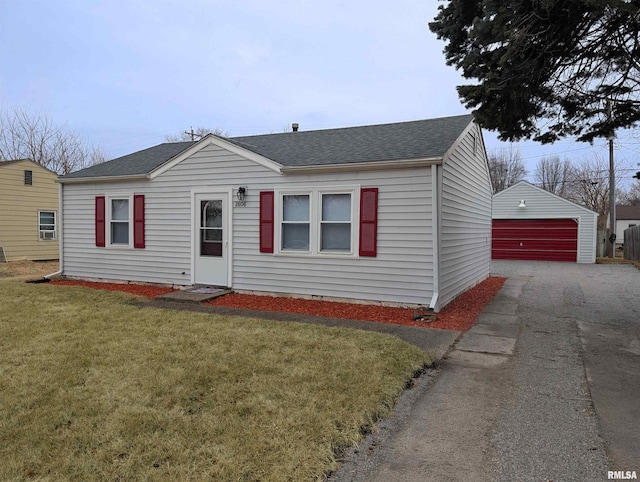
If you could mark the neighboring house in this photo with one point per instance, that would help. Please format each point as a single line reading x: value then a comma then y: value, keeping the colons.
x: 396, y: 213
x: 28, y: 211
x: 533, y: 224
x: 626, y: 217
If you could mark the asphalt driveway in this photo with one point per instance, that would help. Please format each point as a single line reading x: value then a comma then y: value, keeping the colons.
x: 601, y: 304
x: 545, y: 387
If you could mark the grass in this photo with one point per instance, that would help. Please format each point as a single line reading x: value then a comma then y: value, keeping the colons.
x: 94, y: 388
x: 28, y: 269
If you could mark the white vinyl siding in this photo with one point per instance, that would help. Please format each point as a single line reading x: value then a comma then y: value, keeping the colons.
x: 541, y: 204
x: 465, y: 217
x: 401, y: 272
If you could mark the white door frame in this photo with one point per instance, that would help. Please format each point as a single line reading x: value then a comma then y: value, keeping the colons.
x: 213, y: 192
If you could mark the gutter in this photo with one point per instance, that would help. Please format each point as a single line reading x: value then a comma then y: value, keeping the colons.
x: 364, y: 166
x: 78, y: 180
x: 60, y: 241
x: 436, y: 238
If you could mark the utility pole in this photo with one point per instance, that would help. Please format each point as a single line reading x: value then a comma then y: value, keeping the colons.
x: 612, y: 188
x: 192, y: 134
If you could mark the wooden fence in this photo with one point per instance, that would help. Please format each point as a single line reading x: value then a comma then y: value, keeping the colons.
x: 632, y: 243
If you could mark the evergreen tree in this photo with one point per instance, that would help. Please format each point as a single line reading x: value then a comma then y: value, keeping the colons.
x: 558, y: 60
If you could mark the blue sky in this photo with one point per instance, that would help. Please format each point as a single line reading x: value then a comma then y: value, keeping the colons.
x: 126, y: 73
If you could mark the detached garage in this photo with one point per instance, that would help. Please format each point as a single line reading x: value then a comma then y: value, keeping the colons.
x: 530, y: 223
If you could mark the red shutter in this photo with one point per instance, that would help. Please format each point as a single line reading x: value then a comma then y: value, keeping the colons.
x: 266, y: 221
x: 100, y: 221
x: 368, y: 221
x: 138, y: 221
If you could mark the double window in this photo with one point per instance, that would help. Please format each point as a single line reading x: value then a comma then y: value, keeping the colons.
x: 47, y: 225
x: 316, y: 222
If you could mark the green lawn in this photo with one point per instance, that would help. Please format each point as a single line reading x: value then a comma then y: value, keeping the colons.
x: 94, y: 388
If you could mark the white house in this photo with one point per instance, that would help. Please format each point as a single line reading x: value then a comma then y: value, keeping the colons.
x: 395, y: 213
x: 533, y: 224
x: 626, y: 217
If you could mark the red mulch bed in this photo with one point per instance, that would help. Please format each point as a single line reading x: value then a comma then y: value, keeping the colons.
x: 460, y: 314
x: 131, y: 288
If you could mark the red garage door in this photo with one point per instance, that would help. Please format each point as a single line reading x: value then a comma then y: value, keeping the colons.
x: 536, y: 239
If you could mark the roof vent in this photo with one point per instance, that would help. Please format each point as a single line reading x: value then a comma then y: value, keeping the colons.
x: 294, y: 127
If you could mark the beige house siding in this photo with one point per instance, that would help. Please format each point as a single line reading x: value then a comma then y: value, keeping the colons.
x: 20, y: 205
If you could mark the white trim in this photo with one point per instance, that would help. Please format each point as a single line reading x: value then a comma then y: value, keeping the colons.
x: 79, y: 180
x: 363, y: 166
x: 213, y: 191
x: 108, y: 220
x: 55, y: 225
x: 60, y: 223
x: 211, y: 139
x: 60, y: 238
x: 435, y: 204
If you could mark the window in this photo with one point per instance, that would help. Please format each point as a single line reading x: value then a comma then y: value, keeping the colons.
x: 119, y: 221
x: 296, y: 224
x: 28, y: 178
x: 47, y: 225
x: 320, y: 222
x: 211, y: 228
x: 335, y: 224
x: 316, y: 222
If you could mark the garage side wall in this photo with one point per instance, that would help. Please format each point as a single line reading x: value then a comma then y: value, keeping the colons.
x: 541, y: 204
x: 465, y: 217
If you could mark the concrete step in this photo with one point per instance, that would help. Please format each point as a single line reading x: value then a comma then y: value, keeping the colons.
x: 195, y: 294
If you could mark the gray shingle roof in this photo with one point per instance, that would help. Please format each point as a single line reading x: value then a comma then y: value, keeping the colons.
x: 141, y: 162
x: 384, y: 142
x: 628, y: 212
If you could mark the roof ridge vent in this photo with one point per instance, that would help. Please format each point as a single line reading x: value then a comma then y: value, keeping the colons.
x: 295, y: 126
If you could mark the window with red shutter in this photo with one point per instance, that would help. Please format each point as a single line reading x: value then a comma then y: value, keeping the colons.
x: 368, y: 221
x: 266, y: 221
x: 100, y: 224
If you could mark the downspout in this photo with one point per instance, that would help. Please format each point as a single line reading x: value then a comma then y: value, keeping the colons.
x: 435, y: 221
x: 49, y: 276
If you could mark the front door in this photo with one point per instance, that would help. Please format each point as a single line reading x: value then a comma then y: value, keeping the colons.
x: 211, y: 239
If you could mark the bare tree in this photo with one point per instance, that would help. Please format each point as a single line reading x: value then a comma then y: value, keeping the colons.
x: 632, y: 196
x: 555, y: 175
x: 24, y: 135
x: 195, y: 134
x: 590, y: 187
x: 506, y: 168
